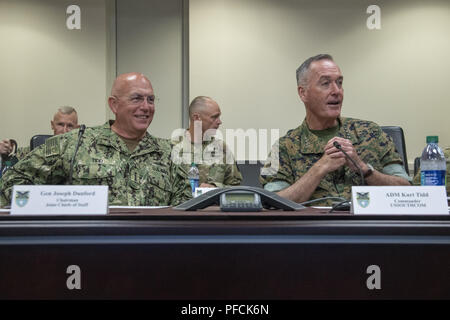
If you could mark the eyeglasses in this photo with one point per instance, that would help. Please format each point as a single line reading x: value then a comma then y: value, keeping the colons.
x: 137, y: 99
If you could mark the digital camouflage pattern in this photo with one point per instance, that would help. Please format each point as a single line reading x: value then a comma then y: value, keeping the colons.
x: 299, y: 149
x: 18, y: 155
x: 144, y: 177
x: 22, y: 152
x: 416, y: 180
x: 216, y: 165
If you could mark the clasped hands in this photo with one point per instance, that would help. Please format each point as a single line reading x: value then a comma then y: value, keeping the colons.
x: 334, y: 158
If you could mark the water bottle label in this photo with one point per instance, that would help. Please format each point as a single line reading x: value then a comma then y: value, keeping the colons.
x: 432, y: 178
x: 194, y: 185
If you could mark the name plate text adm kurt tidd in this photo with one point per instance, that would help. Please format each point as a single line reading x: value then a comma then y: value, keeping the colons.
x: 399, y: 200
x: 59, y: 200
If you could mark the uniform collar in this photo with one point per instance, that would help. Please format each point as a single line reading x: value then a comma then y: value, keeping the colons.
x: 310, y: 143
x: 109, y: 138
x: 187, y: 139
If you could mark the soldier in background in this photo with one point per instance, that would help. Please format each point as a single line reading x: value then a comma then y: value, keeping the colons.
x: 135, y: 165
x: 309, y: 165
x: 64, y: 120
x: 217, y: 166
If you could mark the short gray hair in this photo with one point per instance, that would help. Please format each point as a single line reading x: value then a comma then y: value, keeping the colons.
x: 67, y: 110
x: 302, y: 71
x: 198, y: 103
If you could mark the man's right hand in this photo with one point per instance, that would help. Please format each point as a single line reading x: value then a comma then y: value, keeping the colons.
x: 331, y: 161
x: 5, y: 147
x: 304, y: 187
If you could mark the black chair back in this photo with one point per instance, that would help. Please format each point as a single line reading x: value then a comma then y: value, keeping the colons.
x: 396, y: 133
x: 38, y: 139
x: 250, y: 173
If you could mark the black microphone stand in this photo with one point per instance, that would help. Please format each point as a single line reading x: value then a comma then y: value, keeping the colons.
x: 80, y: 134
x: 339, y: 147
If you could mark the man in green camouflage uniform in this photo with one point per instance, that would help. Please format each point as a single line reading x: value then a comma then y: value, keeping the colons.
x: 121, y: 154
x: 417, y: 182
x: 64, y: 120
x: 307, y: 165
x: 214, y: 160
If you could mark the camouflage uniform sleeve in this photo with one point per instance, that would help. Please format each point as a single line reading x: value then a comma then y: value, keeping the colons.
x: 19, y: 155
x: 277, y: 166
x: 38, y: 167
x: 232, y: 176
x: 416, y: 179
x: 22, y: 152
x: 181, y: 190
x: 386, y: 146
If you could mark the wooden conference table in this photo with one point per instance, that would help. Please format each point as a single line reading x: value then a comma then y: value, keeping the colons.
x: 209, y: 254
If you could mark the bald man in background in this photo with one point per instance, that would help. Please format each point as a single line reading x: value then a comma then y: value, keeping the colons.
x: 217, y: 166
x: 64, y: 120
x: 135, y: 165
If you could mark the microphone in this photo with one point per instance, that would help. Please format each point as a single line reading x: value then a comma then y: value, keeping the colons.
x: 339, y: 147
x: 80, y: 134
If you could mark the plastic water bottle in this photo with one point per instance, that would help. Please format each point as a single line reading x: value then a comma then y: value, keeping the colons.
x: 432, y: 164
x: 194, y: 177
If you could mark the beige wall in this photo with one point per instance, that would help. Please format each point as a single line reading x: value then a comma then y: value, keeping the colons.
x: 44, y: 65
x: 245, y: 53
x: 149, y: 41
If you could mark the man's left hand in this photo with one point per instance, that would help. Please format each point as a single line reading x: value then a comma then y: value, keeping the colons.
x: 348, y: 147
x: 207, y: 185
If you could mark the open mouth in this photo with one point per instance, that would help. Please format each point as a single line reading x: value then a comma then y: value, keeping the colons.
x: 144, y: 117
x: 333, y: 103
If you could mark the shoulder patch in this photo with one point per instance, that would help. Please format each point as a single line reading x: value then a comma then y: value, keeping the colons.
x: 52, y: 146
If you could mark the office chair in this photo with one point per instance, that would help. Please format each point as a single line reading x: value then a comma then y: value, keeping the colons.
x: 396, y: 133
x: 38, y: 139
x: 250, y: 173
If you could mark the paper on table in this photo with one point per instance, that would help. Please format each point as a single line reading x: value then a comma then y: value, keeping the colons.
x: 138, y: 207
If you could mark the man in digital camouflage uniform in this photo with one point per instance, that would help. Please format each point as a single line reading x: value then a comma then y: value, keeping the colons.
x: 216, y: 163
x: 121, y: 154
x: 308, y: 165
x: 64, y: 120
x: 447, y: 159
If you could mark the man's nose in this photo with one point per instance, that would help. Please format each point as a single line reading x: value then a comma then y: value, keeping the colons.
x: 147, y: 105
x: 335, y: 88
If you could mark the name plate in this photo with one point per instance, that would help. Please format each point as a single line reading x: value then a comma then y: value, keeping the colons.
x: 399, y: 200
x: 198, y: 191
x: 59, y: 200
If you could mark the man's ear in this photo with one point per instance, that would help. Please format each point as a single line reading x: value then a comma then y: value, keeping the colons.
x: 112, y: 102
x: 302, y: 93
x: 52, y: 125
x: 196, y: 116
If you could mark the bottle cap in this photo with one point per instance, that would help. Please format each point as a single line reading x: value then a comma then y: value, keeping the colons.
x: 432, y: 139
